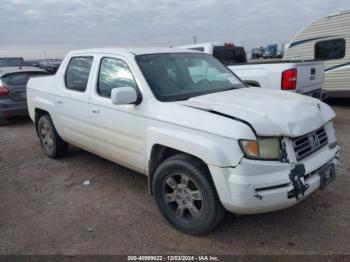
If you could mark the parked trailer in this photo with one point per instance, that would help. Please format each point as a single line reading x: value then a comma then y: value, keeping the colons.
x: 327, y: 39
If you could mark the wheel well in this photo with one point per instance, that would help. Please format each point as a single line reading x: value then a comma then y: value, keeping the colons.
x: 159, y: 153
x: 39, y: 113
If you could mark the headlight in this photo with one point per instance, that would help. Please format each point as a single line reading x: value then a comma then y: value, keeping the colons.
x: 262, y: 148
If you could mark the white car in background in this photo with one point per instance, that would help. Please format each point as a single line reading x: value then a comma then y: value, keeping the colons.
x: 206, y: 142
x: 304, y: 77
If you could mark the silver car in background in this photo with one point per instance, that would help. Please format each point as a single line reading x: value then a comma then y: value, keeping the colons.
x: 13, y: 82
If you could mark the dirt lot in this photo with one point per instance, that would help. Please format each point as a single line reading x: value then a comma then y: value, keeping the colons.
x: 45, y: 209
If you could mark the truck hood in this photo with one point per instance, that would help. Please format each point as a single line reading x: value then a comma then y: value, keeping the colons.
x: 268, y: 112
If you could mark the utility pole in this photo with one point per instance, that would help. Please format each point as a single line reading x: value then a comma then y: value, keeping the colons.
x: 195, y: 39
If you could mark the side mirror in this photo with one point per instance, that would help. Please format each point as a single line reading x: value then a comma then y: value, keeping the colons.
x: 123, y: 95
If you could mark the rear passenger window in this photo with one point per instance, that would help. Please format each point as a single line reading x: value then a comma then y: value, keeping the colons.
x: 114, y: 73
x: 78, y: 72
x: 330, y: 49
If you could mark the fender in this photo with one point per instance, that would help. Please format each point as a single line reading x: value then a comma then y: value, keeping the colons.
x: 211, y: 149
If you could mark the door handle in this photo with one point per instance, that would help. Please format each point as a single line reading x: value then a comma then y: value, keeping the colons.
x: 59, y: 100
x: 95, y: 109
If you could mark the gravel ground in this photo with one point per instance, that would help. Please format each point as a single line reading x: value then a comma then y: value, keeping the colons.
x: 45, y: 209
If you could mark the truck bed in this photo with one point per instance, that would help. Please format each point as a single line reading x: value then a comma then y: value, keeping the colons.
x: 268, y: 74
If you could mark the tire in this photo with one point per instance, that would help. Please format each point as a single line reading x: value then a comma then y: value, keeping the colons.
x: 193, y: 209
x: 51, y: 143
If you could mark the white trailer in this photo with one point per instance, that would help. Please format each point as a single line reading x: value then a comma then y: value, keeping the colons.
x: 327, y: 39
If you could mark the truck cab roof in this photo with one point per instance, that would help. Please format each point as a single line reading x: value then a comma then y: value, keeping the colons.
x: 132, y: 50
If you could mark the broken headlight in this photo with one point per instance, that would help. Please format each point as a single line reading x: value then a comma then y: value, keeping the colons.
x: 262, y: 148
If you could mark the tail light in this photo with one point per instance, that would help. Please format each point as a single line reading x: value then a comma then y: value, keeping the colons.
x: 3, y: 90
x: 229, y: 45
x: 289, y: 79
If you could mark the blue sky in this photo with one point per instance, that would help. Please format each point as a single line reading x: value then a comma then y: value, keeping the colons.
x: 30, y: 27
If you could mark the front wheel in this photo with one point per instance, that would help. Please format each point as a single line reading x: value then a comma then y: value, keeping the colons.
x: 186, y: 195
x: 51, y: 143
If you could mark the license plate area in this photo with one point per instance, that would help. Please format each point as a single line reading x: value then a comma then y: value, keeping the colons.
x: 327, y: 175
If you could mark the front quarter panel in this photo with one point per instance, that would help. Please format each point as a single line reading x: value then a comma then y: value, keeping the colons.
x: 212, y: 149
x: 208, y: 136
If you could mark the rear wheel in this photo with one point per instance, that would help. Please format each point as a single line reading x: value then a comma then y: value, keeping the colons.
x: 186, y: 195
x: 51, y: 143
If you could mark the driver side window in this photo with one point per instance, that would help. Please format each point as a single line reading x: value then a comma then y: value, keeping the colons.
x: 113, y: 73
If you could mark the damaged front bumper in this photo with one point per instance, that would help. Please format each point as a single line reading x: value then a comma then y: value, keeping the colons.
x: 263, y: 186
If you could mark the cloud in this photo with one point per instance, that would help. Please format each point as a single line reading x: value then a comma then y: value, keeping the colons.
x: 77, y: 23
x: 31, y: 12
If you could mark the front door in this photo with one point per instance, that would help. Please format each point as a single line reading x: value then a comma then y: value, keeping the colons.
x: 118, y: 131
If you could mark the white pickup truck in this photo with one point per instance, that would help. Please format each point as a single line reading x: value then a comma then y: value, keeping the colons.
x: 206, y: 142
x: 305, y: 77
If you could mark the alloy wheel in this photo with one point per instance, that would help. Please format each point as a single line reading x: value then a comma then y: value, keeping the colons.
x: 182, y: 196
x: 46, y: 136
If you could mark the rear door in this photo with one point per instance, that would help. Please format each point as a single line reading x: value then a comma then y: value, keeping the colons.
x: 72, y: 101
x: 310, y: 76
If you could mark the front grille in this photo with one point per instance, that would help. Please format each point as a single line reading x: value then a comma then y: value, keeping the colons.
x: 307, y: 144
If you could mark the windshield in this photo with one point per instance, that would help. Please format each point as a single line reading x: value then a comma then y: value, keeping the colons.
x: 230, y: 55
x: 180, y: 76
